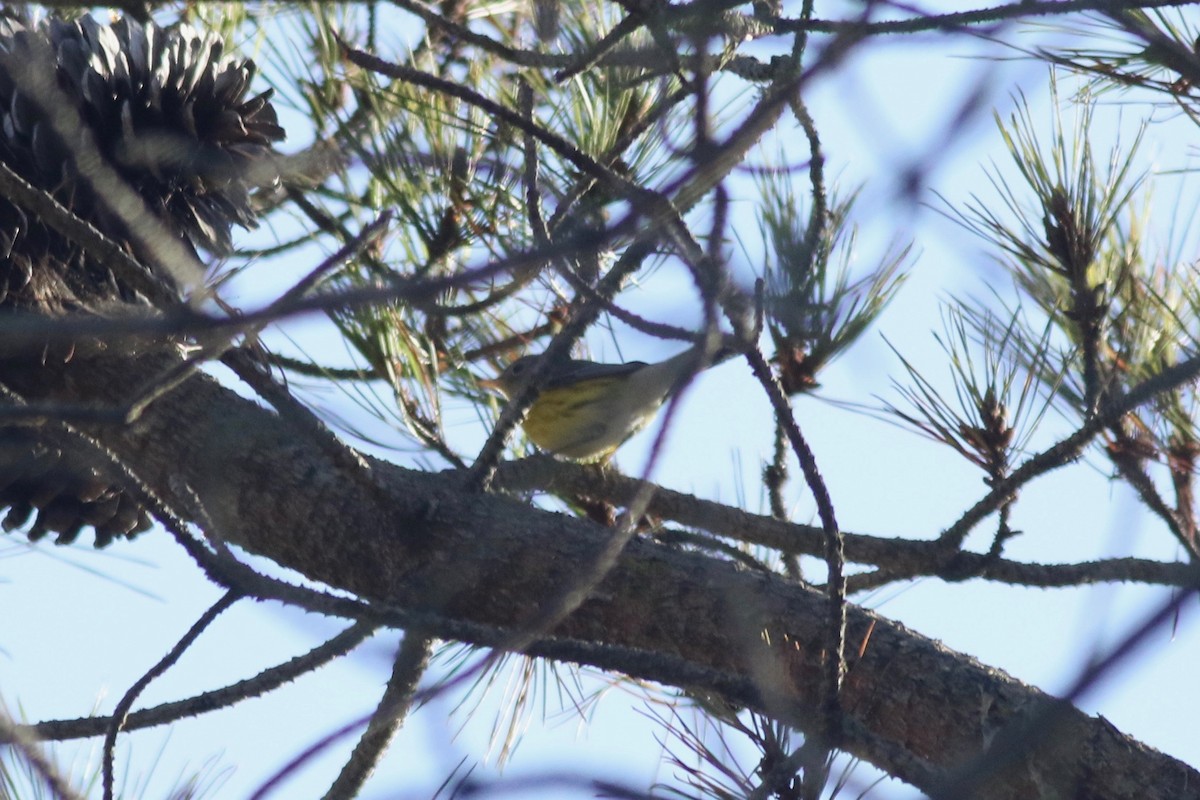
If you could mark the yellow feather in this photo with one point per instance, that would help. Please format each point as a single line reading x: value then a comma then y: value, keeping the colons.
x: 566, y: 418
x: 587, y: 410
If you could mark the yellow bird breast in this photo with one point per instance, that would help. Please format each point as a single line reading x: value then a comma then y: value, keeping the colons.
x: 585, y: 421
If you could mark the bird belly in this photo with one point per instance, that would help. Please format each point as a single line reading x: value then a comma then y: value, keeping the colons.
x: 584, y: 423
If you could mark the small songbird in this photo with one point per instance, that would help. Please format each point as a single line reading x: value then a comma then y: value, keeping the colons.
x: 586, y: 410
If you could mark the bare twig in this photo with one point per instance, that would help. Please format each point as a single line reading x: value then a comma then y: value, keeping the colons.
x: 166, y: 713
x: 166, y: 662
x: 412, y: 659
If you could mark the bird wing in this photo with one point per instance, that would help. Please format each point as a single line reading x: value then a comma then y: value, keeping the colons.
x: 573, y: 371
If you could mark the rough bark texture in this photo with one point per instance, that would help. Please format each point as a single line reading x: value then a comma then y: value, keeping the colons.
x: 418, y: 541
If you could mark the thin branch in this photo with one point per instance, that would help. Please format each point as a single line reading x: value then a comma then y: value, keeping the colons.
x: 42, y: 206
x: 500, y: 113
x: 960, y: 20
x: 591, y: 56
x: 411, y: 662
x: 833, y: 540
x: 909, y: 557
x: 266, y: 681
x: 1136, y: 476
x: 1069, y: 448
x: 311, y: 370
x: 166, y: 662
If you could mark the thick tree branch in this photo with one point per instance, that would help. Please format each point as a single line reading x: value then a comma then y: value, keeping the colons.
x: 907, y: 557
x: 418, y: 541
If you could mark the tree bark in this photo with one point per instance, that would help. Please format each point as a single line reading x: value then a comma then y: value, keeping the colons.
x: 420, y: 542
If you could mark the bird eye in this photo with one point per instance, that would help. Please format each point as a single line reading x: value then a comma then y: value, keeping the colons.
x: 517, y: 367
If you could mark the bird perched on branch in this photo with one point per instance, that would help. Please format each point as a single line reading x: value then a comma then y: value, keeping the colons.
x: 585, y: 410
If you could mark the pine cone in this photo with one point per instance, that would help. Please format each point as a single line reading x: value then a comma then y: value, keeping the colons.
x: 167, y: 111
x: 169, y: 114
x: 62, y: 491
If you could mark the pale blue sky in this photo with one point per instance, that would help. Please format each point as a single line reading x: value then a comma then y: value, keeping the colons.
x: 85, y: 629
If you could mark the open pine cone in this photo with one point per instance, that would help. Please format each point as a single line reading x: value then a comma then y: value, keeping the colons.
x: 168, y: 113
x: 163, y: 107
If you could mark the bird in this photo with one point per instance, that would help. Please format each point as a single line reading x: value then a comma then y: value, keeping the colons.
x: 585, y: 410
